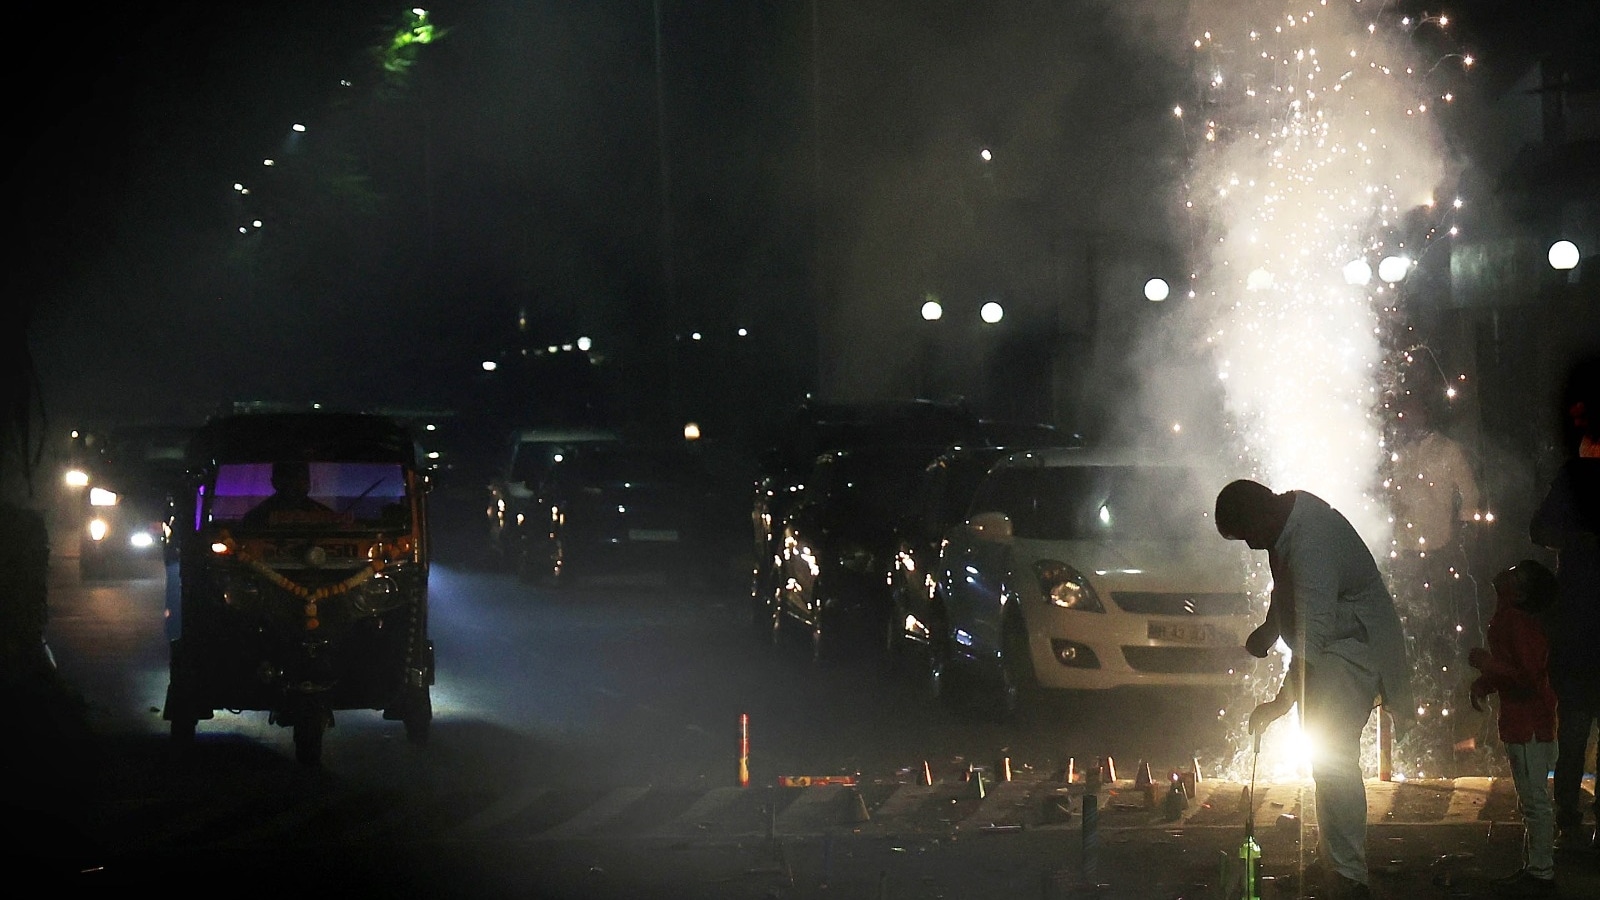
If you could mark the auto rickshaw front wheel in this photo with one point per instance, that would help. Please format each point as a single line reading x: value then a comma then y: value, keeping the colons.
x: 308, y: 732
x: 183, y: 729
x: 418, y: 716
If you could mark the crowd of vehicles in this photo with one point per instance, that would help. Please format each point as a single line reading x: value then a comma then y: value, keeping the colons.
x: 996, y: 561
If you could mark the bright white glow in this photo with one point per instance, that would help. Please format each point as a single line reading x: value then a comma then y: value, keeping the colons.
x: 992, y: 312
x: 932, y: 311
x: 1156, y: 290
x: 490, y: 365
x: 99, y: 496
x: 1317, y: 156
x: 76, y: 478
x: 1393, y: 269
x: 142, y: 540
x: 691, y: 431
x: 987, y: 156
x: 298, y: 127
x: 1358, y: 273
x: 584, y: 344
x: 1564, y: 255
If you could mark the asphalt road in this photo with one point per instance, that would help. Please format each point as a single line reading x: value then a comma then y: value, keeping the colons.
x: 94, y: 805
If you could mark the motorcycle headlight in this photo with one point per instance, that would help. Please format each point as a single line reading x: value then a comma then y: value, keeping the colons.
x: 1066, y: 587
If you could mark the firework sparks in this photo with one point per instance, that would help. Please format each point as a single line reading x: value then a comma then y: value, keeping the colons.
x: 1312, y: 152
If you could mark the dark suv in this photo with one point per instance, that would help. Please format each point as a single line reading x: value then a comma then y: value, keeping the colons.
x: 622, y: 507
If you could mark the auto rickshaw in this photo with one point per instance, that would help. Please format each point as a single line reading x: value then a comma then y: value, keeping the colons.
x: 300, y: 602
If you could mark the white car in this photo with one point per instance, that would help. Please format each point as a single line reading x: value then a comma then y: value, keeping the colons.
x: 1082, y: 570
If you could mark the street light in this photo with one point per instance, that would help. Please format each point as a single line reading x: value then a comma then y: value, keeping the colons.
x: 1157, y: 290
x: 1393, y: 269
x: 992, y: 312
x: 1564, y: 256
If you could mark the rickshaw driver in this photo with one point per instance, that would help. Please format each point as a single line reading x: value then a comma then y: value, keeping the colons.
x: 290, y: 500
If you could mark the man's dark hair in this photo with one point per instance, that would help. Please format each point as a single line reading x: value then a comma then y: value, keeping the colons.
x: 1240, y: 503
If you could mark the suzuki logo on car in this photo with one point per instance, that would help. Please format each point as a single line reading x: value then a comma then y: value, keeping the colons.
x: 1188, y: 606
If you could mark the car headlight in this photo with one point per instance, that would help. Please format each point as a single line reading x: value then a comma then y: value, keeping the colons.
x: 99, y: 496
x: 1066, y: 587
x: 75, y: 478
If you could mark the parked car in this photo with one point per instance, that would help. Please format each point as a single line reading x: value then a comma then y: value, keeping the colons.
x: 1084, y: 570
x: 938, y: 503
x: 623, y: 507
x: 833, y: 538
x: 524, y: 461
x: 813, y: 428
x: 129, y: 473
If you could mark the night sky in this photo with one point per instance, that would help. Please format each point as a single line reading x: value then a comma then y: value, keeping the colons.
x: 511, y: 175
x: 514, y: 175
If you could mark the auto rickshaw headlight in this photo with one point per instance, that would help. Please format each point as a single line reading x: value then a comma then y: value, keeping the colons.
x: 377, y: 594
x: 242, y: 594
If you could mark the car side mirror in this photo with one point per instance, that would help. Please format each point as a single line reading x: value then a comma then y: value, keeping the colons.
x: 990, y: 526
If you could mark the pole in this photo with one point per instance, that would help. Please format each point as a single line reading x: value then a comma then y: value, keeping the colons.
x: 744, y: 749
x: 1091, y: 837
x: 1385, y: 745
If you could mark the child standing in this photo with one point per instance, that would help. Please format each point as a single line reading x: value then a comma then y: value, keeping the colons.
x: 1515, y: 666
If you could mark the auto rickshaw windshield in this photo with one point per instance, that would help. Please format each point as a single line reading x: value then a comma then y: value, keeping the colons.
x: 356, y: 495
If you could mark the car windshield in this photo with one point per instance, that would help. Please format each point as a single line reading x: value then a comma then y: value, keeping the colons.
x: 602, y: 465
x: 342, y: 495
x: 1097, y: 503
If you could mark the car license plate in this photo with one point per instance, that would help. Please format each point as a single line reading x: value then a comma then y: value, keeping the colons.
x: 1192, y: 633
x: 652, y: 534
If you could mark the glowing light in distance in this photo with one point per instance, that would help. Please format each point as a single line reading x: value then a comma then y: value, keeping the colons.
x: 490, y: 365
x: 932, y: 310
x: 584, y: 344
x: 987, y: 156
x: 1393, y: 268
x: 1564, y: 255
x: 992, y: 312
x: 1357, y: 272
x: 1156, y: 290
x: 691, y: 431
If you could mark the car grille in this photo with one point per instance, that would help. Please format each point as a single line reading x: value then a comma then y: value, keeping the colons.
x: 1186, y: 660
x: 1151, y: 603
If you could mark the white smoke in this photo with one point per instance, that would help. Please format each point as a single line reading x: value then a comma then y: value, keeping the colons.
x: 1312, y: 144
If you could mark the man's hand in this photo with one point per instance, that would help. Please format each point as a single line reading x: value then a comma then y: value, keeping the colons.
x: 1271, y: 711
x: 1261, y: 640
x: 1477, y: 694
